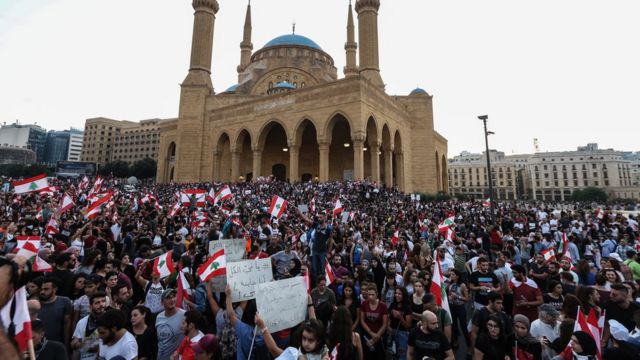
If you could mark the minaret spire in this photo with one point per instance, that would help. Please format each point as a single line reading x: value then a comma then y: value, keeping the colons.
x: 351, y: 46
x: 246, y: 46
x: 368, y: 33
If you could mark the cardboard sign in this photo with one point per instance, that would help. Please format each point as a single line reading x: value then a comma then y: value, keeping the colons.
x: 243, y: 276
x: 282, y: 304
x: 234, y: 249
x: 303, y: 208
x: 345, y: 217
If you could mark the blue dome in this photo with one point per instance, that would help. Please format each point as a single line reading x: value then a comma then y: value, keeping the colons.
x: 418, y: 91
x: 232, y: 88
x: 293, y: 39
x: 284, y: 85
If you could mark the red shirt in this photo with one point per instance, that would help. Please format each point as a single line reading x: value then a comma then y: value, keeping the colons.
x: 374, y: 318
x: 525, y: 291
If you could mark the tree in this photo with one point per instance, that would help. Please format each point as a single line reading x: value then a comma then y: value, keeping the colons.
x: 590, y: 194
x: 117, y: 168
x: 18, y: 171
x: 144, y: 169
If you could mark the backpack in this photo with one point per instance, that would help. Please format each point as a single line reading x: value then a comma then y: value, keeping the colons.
x: 228, y: 341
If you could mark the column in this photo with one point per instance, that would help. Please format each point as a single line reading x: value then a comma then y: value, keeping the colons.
x: 216, y: 166
x: 375, y: 162
x: 257, y: 164
x: 388, y: 168
x: 324, y: 160
x: 294, y: 160
x: 400, y: 170
x: 235, y: 165
x: 358, y: 157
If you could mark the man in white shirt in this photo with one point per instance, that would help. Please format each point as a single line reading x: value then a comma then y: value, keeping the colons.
x: 546, y: 325
x: 114, y: 338
x: 85, y: 338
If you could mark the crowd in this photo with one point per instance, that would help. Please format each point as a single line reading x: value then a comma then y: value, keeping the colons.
x: 391, y: 276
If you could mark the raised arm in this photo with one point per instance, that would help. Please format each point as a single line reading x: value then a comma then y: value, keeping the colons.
x: 268, y: 339
x: 229, y: 302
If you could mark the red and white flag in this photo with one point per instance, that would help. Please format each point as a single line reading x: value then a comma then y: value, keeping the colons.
x: 438, y: 287
x: 486, y: 203
x: 39, y: 215
x: 94, y: 209
x: 31, y: 184
x: 307, y: 281
x: 84, y: 184
x: 65, y: 204
x: 223, y: 194
x: 52, y: 227
x: 548, y: 254
x: 163, y: 264
x: 27, y: 246
x: 312, y: 206
x: 334, y: 352
x: 599, y: 213
x: 215, y: 266
x: 446, y: 225
x: 395, y: 238
x: 278, y: 206
x: 175, y: 209
x: 39, y: 265
x: 337, y: 208
x: 97, y: 184
x: 184, y: 289
x: 16, y: 319
x: 328, y: 272
x: 200, y: 197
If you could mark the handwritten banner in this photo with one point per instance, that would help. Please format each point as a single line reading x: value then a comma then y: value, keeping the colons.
x: 233, y: 248
x: 282, y: 304
x: 243, y: 276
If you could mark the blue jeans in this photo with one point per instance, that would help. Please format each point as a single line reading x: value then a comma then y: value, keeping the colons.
x: 402, y: 343
x: 317, y: 263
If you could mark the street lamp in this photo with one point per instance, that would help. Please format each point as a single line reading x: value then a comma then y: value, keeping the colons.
x: 486, y: 142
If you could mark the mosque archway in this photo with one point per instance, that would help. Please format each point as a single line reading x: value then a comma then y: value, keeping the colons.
x: 386, y: 157
x: 170, y: 162
x: 340, y: 150
x: 307, y: 159
x: 279, y: 172
x: 443, y: 174
x: 275, y: 149
x: 438, y: 177
x: 222, y: 159
x: 244, y: 155
x: 371, y: 158
x: 398, y: 161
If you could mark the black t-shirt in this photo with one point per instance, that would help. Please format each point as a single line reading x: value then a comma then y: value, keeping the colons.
x: 479, y: 279
x: 556, y: 303
x: 492, y: 348
x: 321, y: 237
x: 624, y: 316
x: 404, y: 309
x: 539, y: 270
x: 480, y: 318
x: 434, y: 344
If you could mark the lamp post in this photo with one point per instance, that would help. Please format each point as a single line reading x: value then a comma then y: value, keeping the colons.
x: 486, y: 142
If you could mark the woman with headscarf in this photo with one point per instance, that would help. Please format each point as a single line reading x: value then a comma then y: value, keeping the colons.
x: 523, y: 345
x: 583, y: 347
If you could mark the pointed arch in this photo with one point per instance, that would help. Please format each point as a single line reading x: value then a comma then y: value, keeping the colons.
x: 222, y: 158
x: 339, y: 156
x: 308, y: 160
x: 275, y: 151
x: 386, y: 158
x: 266, y: 128
x: 398, y: 161
x: 170, y: 162
x: 443, y: 174
x: 242, y: 146
x: 330, y: 124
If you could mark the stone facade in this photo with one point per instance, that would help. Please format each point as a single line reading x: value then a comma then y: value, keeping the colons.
x: 290, y: 116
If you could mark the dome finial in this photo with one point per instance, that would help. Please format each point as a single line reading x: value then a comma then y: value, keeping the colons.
x: 294, y: 27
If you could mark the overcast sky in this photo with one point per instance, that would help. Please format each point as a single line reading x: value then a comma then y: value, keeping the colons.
x: 566, y: 72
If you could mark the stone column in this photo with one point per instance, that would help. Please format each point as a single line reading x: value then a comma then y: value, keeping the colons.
x: 388, y: 168
x: 294, y: 159
x: 400, y: 170
x: 358, y: 157
x: 235, y: 165
x: 216, y: 166
x: 257, y: 164
x: 375, y: 162
x: 324, y: 160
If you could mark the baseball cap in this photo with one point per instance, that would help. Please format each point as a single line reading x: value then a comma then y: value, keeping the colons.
x: 618, y: 331
x: 168, y: 292
x: 616, y: 257
x: 207, y: 344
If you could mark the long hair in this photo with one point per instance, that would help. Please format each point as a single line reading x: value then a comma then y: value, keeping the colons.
x: 340, y: 332
x: 316, y: 328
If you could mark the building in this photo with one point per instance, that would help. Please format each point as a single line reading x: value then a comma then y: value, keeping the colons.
x: 468, y: 176
x: 290, y: 115
x: 75, y: 144
x: 106, y: 140
x: 24, y: 136
x: 16, y: 155
x: 56, y: 147
x: 549, y: 175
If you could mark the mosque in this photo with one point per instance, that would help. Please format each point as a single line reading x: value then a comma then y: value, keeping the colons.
x: 292, y: 117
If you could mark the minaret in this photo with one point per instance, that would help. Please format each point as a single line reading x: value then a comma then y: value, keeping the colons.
x: 351, y: 46
x: 204, y: 20
x: 368, y: 39
x: 245, y: 46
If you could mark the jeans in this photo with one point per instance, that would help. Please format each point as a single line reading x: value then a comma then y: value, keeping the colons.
x: 402, y: 343
x: 317, y: 263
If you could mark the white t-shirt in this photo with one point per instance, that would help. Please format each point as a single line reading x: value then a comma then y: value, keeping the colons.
x: 89, y: 341
x: 125, y: 347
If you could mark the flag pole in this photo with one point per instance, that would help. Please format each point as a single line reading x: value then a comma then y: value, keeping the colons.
x: 32, y: 351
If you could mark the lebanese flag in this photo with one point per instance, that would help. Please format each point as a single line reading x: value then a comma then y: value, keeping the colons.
x: 31, y: 184
x: 236, y: 221
x: 184, y: 289
x: 437, y: 287
x: 16, y: 319
x: 52, y: 227
x: 163, y: 264
x: 599, y: 213
x: 49, y: 191
x: 97, y: 184
x: 94, y: 209
x: 278, y: 206
x: 223, y: 194
x: 65, y: 204
x: 334, y: 352
x: 337, y: 208
x: 486, y: 203
x: 328, y: 272
x: 39, y: 265
x: 84, y: 184
x: 312, y: 206
x: 451, y: 235
x: 27, y: 246
x: 185, y: 197
x: 548, y: 254
x: 215, y: 266
x: 395, y: 238
x: 591, y: 327
x: 175, y: 209
x: 39, y: 215
x: 307, y: 281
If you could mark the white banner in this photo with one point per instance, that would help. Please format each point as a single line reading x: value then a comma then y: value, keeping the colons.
x: 243, y: 276
x: 234, y: 249
x: 282, y: 304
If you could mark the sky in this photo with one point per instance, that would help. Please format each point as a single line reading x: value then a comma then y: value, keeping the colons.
x: 564, y: 72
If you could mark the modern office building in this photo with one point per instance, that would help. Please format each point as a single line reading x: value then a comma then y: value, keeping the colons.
x: 29, y: 136
x: 75, y: 144
x: 56, y: 146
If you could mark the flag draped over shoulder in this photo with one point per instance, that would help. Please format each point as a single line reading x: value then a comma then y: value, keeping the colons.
x: 16, y: 319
